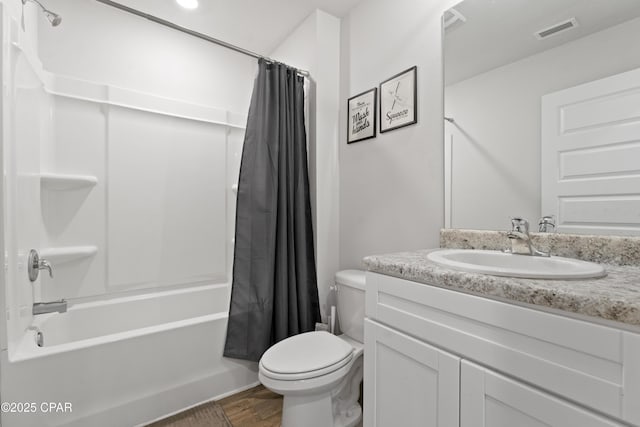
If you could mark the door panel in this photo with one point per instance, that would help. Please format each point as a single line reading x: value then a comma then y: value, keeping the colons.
x: 488, y: 399
x: 409, y: 383
x: 591, y: 156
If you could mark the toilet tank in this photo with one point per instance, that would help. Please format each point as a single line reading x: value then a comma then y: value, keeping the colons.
x: 350, y: 300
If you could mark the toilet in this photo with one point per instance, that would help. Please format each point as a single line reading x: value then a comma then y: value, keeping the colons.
x: 317, y: 373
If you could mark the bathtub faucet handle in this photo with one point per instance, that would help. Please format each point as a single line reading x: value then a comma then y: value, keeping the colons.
x: 45, y: 265
x: 36, y: 264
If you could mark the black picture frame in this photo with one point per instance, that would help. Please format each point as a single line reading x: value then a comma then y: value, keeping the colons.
x: 361, y: 116
x: 398, y: 102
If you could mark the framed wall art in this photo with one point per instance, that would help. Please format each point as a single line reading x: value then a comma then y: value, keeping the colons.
x: 362, y: 116
x: 399, y: 101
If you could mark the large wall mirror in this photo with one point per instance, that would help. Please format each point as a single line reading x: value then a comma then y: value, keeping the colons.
x: 542, y: 114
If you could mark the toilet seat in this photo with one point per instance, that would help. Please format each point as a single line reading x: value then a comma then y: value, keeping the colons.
x: 306, y: 356
x: 319, y: 374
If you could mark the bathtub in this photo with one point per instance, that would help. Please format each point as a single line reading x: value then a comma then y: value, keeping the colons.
x: 124, y: 361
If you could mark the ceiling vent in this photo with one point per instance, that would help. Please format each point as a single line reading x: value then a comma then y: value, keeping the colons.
x: 560, y: 27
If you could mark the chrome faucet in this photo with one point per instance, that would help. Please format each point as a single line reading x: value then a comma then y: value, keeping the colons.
x: 521, y: 240
x: 547, y: 224
x: 35, y: 264
x: 59, y: 306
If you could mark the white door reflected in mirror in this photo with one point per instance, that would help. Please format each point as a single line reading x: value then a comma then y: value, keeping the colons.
x: 497, y: 71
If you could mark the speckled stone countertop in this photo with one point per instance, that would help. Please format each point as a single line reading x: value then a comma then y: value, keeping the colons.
x: 619, y: 250
x: 615, y: 297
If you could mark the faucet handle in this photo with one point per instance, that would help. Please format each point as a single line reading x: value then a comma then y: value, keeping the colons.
x: 519, y: 224
x: 546, y: 222
x: 45, y: 265
x: 35, y: 264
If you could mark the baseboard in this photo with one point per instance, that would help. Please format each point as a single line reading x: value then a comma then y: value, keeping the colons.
x: 149, y: 408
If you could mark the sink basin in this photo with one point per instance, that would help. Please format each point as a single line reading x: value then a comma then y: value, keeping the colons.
x: 498, y: 263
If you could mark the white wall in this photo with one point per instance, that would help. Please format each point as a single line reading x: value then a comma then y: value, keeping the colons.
x: 496, y: 137
x: 391, y: 187
x: 99, y: 43
x: 315, y: 47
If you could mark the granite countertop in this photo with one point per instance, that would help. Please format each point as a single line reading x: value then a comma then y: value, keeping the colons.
x: 615, y: 297
x: 603, y: 249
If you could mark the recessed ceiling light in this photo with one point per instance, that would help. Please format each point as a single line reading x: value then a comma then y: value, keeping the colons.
x: 188, y: 4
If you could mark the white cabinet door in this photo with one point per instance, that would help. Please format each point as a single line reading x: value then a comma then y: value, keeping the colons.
x: 407, y: 382
x: 488, y: 399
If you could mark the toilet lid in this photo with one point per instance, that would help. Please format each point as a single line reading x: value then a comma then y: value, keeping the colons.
x: 306, y: 352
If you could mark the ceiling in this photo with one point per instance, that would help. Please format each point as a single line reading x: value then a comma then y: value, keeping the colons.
x: 256, y: 25
x: 498, y: 32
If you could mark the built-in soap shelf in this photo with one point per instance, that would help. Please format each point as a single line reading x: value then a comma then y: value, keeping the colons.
x: 68, y: 253
x: 62, y: 182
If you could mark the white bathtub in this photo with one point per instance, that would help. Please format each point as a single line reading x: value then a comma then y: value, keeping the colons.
x: 125, y: 361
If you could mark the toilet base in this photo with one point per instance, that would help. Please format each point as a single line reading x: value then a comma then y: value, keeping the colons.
x: 311, y: 411
x: 338, y: 407
x: 301, y: 411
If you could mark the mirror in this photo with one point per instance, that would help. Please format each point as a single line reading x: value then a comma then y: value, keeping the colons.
x: 542, y: 114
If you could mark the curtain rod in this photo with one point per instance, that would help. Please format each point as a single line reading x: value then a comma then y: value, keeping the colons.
x: 191, y: 32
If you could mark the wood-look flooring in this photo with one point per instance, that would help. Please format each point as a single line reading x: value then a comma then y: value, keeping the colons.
x: 208, y: 414
x: 256, y: 407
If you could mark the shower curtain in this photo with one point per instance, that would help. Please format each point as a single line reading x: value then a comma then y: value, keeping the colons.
x: 274, y: 293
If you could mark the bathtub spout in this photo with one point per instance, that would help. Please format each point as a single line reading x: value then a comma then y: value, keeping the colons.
x: 49, y: 307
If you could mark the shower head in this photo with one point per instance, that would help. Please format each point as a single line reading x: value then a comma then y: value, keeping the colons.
x: 53, y: 18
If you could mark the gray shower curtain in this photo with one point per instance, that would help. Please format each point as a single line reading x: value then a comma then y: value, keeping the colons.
x: 274, y: 292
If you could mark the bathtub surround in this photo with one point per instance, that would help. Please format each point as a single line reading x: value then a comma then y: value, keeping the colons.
x: 128, y: 361
x: 274, y: 294
x: 90, y: 110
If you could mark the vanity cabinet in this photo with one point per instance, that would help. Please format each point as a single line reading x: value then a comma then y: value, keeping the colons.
x: 437, y: 357
x: 410, y: 382
x: 488, y: 399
